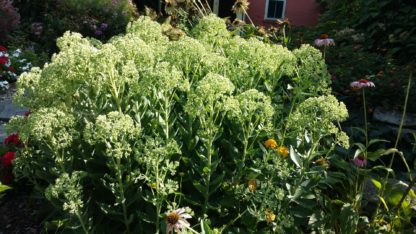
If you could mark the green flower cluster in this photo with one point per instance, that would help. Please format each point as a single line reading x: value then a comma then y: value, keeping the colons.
x: 317, y: 115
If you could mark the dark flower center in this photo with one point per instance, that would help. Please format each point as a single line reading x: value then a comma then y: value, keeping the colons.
x: 324, y: 36
x: 173, y: 218
x: 363, y: 81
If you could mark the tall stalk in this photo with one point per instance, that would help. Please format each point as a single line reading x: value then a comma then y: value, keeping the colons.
x: 395, y: 146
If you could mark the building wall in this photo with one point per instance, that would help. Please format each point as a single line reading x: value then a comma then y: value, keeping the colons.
x: 299, y: 12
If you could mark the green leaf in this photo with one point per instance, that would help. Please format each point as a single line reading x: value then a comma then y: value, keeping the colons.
x: 348, y: 219
x: 205, y: 228
x: 376, y: 183
x: 4, y: 188
x: 373, y: 156
x: 373, y: 141
x: 295, y: 157
x: 360, y: 146
x: 380, y: 167
x: 384, y: 203
x: 199, y: 187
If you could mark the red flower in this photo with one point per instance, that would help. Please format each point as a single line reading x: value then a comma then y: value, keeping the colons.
x: 7, y: 159
x: 3, y: 49
x: 11, y: 69
x: 13, y: 139
x: 4, y: 60
x: 26, y: 114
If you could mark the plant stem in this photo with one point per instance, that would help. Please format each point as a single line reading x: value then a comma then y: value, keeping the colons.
x: 251, y: 21
x: 233, y: 221
x: 397, y: 143
x: 208, y: 178
x: 121, y: 191
x: 157, y: 195
x: 284, y: 35
x: 285, y: 127
x: 84, y: 228
x: 365, y: 124
x: 361, y: 187
x: 166, y: 119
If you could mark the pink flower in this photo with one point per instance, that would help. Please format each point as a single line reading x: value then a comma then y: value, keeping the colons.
x: 176, y: 220
x: 324, y: 40
x: 359, y: 161
x: 363, y: 83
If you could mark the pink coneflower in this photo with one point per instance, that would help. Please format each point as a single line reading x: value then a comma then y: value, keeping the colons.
x: 176, y: 220
x: 324, y: 40
x: 359, y: 161
x: 363, y: 83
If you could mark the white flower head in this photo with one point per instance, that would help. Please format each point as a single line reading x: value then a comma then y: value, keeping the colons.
x: 176, y: 220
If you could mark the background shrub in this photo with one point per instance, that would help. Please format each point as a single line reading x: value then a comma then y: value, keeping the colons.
x: 10, y: 18
x: 46, y: 20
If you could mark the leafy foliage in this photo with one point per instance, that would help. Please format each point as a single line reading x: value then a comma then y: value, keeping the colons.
x: 387, y: 24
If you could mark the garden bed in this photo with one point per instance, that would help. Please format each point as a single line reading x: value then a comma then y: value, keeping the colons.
x: 19, y: 214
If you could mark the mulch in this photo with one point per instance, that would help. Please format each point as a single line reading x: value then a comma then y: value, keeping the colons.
x: 19, y: 214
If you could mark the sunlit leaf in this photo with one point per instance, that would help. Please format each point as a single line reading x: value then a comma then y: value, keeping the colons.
x: 376, y: 183
x: 295, y: 157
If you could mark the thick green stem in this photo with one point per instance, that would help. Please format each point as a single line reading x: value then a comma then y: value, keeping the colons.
x: 208, y: 178
x: 166, y: 118
x: 121, y: 191
x: 84, y: 228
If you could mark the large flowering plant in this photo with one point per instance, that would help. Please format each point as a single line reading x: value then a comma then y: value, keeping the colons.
x: 239, y: 131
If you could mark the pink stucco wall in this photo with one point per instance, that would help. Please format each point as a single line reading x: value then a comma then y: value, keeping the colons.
x: 299, y: 12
